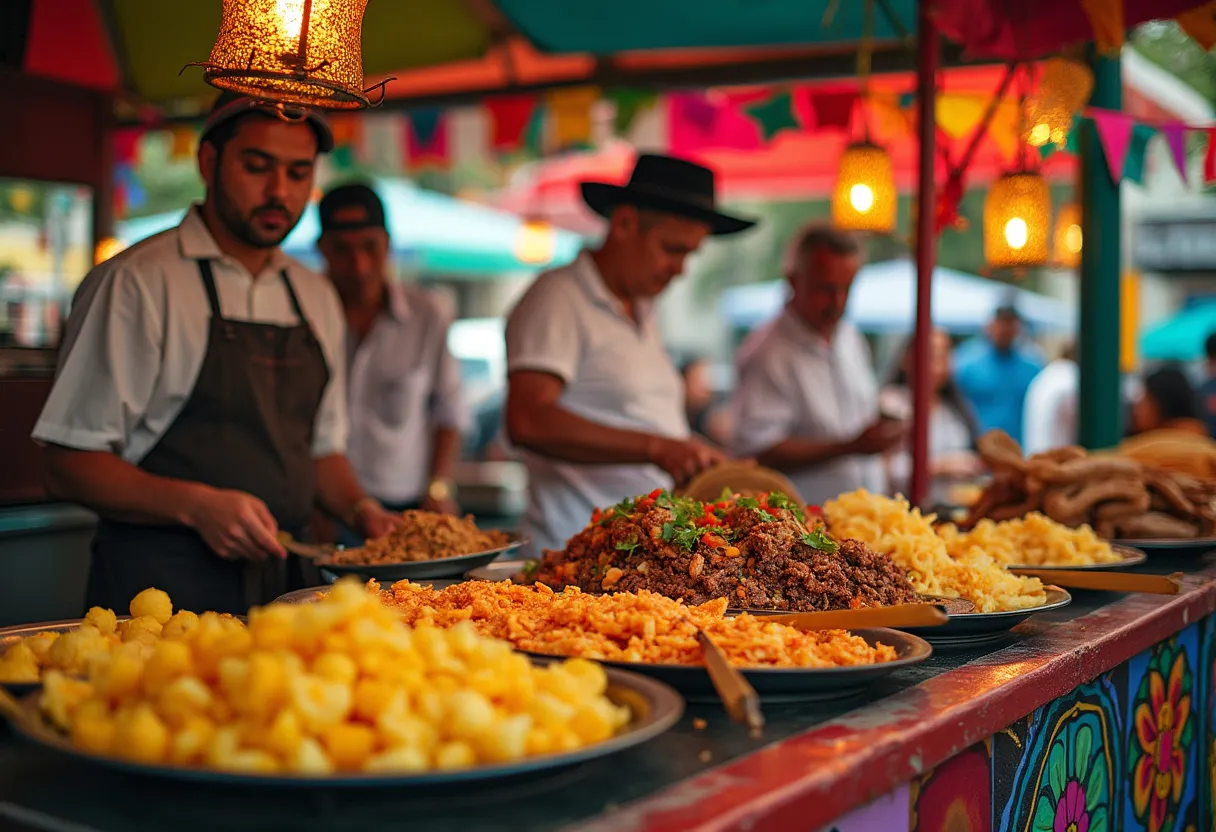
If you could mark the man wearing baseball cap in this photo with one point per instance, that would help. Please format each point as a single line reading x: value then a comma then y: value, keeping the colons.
x: 199, y: 406
x: 404, y: 392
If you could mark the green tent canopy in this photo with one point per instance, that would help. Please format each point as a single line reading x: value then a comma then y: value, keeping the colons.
x: 1182, y: 337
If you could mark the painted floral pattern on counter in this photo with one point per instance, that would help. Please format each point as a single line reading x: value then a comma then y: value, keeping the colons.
x: 1160, y: 740
x: 1073, y: 793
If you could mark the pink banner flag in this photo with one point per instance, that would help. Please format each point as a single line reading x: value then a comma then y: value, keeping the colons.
x: 1175, y: 137
x: 1115, y: 134
x: 1209, y: 161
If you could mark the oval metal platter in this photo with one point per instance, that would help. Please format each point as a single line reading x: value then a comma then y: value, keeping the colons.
x: 654, y: 705
x: 1171, y: 546
x: 452, y: 567
x: 1130, y: 557
x: 11, y: 635
x: 499, y: 570
x: 976, y: 629
x: 793, y: 684
x: 312, y: 594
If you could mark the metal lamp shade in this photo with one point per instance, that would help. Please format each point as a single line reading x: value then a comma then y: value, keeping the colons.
x: 1068, y: 237
x: 1064, y: 89
x: 865, y: 198
x: 1017, y: 221
x: 302, y: 52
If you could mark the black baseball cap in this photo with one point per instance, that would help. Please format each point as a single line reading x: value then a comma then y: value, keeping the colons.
x: 231, y: 104
x: 353, y: 206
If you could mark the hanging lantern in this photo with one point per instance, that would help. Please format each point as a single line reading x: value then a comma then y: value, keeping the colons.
x: 865, y: 196
x: 1068, y: 237
x: 1064, y: 90
x: 294, y: 52
x: 536, y: 243
x: 1017, y: 221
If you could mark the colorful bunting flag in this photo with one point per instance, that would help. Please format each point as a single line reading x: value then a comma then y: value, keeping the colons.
x: 833, y: 110
x: 774, y: 115
x: 958, y: 115
x: 1115, y: 134
x: 428, y: 138
x: 183, y: 142
x: 1175, y: 138
x: 571, y: 111
x: 1133, y: 169
x: 887, y: 118
x: 1106, y: 18
x: 697, y: 110
x: 509, y: 119
x: 629, y: 104
x: 1200, y: 24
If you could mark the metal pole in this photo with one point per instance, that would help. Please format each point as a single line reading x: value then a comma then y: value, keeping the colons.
x: 927, y: 49
x: 1100, y: 418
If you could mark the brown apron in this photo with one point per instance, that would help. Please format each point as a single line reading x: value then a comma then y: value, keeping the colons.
x: 247, y: 426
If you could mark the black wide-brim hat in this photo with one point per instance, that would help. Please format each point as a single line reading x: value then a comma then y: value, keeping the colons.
x: 673, y: 186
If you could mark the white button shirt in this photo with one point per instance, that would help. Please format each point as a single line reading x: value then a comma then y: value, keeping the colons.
x: 404, y: 384
x: 617, y: 373
x: 794, y: 385
x: 1049, y: 416
x: 135, y: 340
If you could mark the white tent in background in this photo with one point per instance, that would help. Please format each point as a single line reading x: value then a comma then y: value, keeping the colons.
x: 883, y: 301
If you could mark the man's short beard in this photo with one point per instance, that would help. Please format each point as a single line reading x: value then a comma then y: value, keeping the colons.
x: 239, y: 226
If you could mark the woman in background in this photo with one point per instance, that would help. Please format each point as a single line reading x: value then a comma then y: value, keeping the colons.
x: 1167, y: 431
x: 953, y: 428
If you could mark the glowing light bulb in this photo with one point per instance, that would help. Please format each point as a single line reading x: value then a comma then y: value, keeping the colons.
x: 861, y: 197
x: 1072, y: 238
x: 1016, y: 233
x: 1040, y: 134
x: 291, y: 16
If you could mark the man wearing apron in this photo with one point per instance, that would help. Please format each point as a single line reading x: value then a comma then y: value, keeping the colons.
x: 199, y: 405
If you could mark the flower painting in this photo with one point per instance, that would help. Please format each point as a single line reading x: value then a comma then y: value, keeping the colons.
x: 1073, y: 792
x: 1161, y: 738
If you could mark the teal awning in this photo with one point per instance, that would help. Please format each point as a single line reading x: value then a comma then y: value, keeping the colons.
x: 604, y: 28
x: 1181, y: 338
x: 431, y: 233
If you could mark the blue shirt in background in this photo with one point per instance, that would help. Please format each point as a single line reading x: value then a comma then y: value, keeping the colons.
x: 995, y: 383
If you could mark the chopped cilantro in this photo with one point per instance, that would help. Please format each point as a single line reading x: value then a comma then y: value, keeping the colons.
x: 627, y: 546
x: 819, y: 540
x: 778, y: 500
x: 747, y: 502
x: 726, y: 494
x: 531, y: 568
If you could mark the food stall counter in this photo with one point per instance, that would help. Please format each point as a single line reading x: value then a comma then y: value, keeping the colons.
x: 1127, y: 678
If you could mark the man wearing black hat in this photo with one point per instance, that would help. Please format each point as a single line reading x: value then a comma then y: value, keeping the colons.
x: 199, y: 405
x: 404, y: 386
x: 593, y: 397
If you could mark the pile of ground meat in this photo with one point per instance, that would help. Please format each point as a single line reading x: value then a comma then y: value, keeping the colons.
x: 757, y: 553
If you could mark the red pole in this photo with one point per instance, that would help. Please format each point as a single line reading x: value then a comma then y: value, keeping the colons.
x: 927, y: 51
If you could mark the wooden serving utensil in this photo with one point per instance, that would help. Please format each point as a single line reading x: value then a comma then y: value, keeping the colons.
x: 737, y: 694
x: 897, y: 615
x: 1109, y: 581
x: 744, y: 478
x: 310, y: 551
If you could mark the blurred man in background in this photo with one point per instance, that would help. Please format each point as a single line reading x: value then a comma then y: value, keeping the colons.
x: 806, y: 402
x: 406, y: 411
x: 994, y: 373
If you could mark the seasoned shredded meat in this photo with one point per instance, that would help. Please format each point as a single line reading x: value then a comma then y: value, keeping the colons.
x: 423, y: 535
x: 755, y: 554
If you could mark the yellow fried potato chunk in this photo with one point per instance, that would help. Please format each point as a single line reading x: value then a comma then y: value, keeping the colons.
x: 19, y: 664
x: 153, y: 603
x: 342, y: 685
x: 41, y: 643
x: 103, y: 619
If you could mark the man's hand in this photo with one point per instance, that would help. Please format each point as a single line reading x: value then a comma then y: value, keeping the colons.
x: 882, y: 435
x: 448, y: 506
x: 683, y: 459
x: 235, y: 525
x: 373, y: 520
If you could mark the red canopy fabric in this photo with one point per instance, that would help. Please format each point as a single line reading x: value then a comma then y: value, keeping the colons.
x: 1012, y: 29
